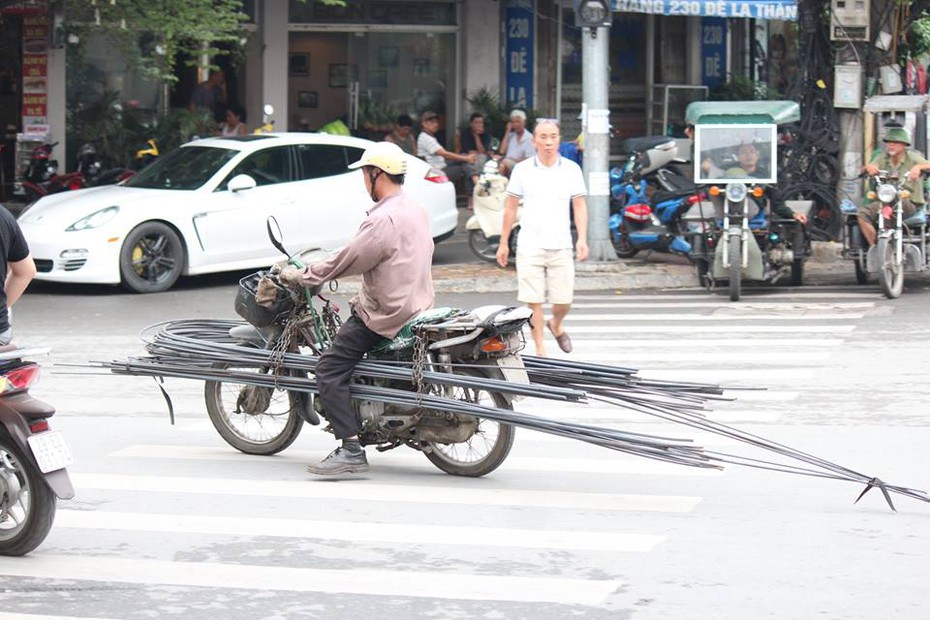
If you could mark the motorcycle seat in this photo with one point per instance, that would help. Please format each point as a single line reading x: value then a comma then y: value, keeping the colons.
x: 663, y: 195
x: 919, y: 217
x: 643, y: 144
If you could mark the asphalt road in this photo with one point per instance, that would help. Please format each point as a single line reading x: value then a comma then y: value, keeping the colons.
x: 169, y: 522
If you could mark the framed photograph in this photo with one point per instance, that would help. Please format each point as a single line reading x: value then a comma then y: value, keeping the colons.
x: 421, y: 66
x: 341, y: 74
x: 298, y: 64
x: 307, y: 99
x: 377, y: 78
x: 388, y: 56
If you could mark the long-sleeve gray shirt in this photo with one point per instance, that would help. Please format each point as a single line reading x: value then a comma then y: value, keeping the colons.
x: 393, y: 252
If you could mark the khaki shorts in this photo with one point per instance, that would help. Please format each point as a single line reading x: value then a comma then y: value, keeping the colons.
x: 539, y: 271
x: 871, y: 209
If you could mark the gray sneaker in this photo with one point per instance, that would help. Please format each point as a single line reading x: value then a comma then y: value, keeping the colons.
x: 349, y: 458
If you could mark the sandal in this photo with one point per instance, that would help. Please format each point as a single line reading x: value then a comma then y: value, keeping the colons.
x: 564, y: 342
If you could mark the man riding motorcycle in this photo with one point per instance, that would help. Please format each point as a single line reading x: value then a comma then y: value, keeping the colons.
x: 393, y: 252
x: 906, y: 162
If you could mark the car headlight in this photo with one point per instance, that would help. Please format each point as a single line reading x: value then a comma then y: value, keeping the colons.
x: 95, y: 219
x: 736, y: 192
x: 887, y: 192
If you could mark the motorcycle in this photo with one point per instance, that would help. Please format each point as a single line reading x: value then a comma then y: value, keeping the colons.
x: 33, y: 458
x: 267, y: 125
x: 41, y: 177
x: 483, y: 343
x: 901, y: 242
x: 484, y: 226
x: 91, y: 168
x: 744, y: 237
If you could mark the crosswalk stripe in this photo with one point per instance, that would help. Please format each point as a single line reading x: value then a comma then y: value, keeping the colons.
x: 713, y: 344
x: 409, y: 458
x: 719, y: 317
x: 749, y: 307
x: 625, y: 355
x: 417, y: 584
x: 801, y: 294
x: 710, y: 329
x: 356, y: 490
x: 359, y: 531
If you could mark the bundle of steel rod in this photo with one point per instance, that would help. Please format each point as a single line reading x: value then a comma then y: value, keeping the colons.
x: 203, y: 350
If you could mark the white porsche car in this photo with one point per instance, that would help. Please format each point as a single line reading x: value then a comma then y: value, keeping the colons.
x: 203, y: 208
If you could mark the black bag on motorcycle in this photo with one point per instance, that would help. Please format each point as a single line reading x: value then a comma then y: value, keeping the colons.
x: 273, y: 300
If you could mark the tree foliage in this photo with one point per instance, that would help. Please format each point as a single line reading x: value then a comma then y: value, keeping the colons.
x: 153, y: 34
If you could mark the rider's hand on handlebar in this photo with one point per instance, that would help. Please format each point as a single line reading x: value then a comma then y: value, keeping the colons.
x: 292, y: 277
x: 870, y: 169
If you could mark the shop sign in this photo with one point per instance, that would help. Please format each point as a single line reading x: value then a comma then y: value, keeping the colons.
x: 24, y: 7
x: 520, y: 39
x: 405, y: 13
x: 35, y: 71
x: 753, y: 9
x: 713, y: 51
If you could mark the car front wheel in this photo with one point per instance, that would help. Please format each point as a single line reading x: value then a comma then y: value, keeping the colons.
x: 151, y: 259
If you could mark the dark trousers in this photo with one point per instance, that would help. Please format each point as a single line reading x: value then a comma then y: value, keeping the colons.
x: 334, y: 373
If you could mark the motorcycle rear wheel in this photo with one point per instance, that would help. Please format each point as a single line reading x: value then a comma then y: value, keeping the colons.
x: 622, y: 244
x: 269, y: 429
x: 27, y: 503
x: 891, y: 268
x: 735, y: 253
x: 484, y: 451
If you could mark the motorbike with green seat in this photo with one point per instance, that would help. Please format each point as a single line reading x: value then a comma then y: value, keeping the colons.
x: 483, y: 343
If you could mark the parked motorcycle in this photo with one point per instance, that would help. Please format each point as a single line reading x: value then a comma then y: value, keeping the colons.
x: 484, y: 226
x: 649, y: 220
x: 485, y: 342
x: 33, y: 457
x: 41, y: 176
x: 901, y: 243
x: 90, y: 166
x: 267, y: 125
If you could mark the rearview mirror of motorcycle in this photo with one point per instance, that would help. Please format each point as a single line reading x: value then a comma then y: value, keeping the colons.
x: 268, y: 109
x: 274, y: 234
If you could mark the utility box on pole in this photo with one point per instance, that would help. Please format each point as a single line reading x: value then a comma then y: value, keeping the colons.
x: 849, y: 20
x: 595, y: 17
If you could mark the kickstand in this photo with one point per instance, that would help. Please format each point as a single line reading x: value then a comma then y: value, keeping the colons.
x: 875, y: 482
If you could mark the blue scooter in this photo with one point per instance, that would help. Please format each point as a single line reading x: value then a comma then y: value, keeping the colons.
x: 638, y: 222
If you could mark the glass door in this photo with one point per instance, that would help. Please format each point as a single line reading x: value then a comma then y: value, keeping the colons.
x: 369, y: 78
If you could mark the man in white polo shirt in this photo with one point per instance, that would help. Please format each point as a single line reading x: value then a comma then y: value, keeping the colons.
x: 551, y: 187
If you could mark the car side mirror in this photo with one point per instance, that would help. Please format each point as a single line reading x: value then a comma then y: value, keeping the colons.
x: 240, y: 182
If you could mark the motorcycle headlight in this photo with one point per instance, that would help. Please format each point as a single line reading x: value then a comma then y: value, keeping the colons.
x: 887, y: 192
x: 736, y: 192
x: 95, y: 219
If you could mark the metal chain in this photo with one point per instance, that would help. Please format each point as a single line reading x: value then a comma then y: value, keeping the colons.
x: 283, y: 344
x: 419, y: 362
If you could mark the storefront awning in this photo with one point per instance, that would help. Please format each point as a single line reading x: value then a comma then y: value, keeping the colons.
x: 756, y: 9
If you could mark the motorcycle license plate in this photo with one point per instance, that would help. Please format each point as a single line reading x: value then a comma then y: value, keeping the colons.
x: 50, y: 450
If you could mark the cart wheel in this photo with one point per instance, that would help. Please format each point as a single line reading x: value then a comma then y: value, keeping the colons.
x: 735, y: 252
x: 862, y: 276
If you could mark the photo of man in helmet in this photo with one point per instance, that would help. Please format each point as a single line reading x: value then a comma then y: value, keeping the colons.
x: 907, y: 163
x: 393, y: 252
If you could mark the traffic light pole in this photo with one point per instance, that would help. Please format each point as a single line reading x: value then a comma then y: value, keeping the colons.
x: 595, y: 79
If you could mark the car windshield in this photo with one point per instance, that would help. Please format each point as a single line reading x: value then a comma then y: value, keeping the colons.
x: 184, y: 168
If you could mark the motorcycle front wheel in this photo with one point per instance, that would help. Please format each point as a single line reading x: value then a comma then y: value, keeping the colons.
x: 891, y: 268
x: 252, y: 419
x: 27, y: 503
x: 484, y: 248
x: 735, y: 254
x: 487, y: 448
